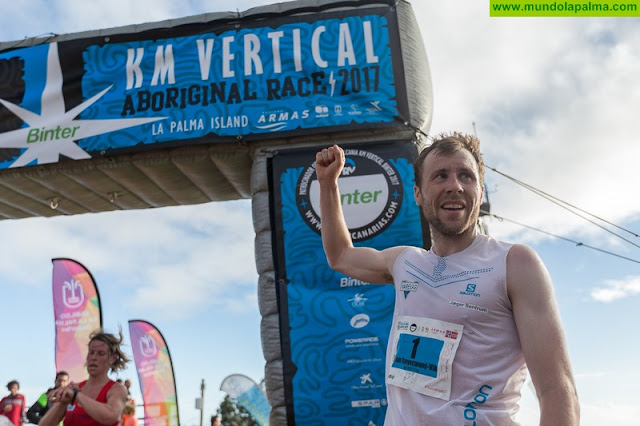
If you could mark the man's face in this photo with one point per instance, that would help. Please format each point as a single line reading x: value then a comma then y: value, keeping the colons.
x: 62, y: 380
x: 450, y: 193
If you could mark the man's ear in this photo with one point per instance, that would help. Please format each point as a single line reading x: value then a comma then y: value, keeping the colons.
x: 417, y: 195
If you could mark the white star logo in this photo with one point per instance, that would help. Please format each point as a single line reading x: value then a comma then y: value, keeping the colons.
x: 55, y: 131
x: 365, y: 378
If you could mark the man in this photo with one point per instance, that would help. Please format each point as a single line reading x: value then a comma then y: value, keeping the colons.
x: 38, y: 410
x: 471, y: 314
x: 14, y: 405
x: 127, y: 384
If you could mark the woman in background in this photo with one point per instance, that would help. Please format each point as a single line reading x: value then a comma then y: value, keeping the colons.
x: 98, y: 400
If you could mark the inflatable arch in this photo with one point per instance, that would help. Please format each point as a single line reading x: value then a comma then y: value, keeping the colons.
x: 225, y: 106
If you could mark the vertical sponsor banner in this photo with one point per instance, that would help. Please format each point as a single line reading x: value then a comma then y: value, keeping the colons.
x: 249, y: 395
x: 76, y: 310
x: 155, y: 374
x: 335, y: 328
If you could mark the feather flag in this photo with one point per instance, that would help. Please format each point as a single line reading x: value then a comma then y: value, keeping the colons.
x: 155, y: 374
x: 76, y: 309
x: 249, y: 395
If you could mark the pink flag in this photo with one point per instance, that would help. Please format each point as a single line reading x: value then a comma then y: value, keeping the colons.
x: 76, y: 310
x: 155, y: 374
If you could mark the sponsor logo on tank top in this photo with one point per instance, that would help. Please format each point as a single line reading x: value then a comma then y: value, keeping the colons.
x: 481, y: 397
x: 408, y: 286
x: 470, y: 290
x: 440, y: 278
x: 468, y: 306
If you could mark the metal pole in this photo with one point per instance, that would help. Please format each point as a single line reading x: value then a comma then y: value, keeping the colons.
x: 201, y: 402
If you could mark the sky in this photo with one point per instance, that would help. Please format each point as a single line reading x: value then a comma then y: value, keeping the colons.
x: 555, y: 103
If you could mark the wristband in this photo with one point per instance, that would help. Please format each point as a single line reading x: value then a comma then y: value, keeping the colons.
x: 75, y: 394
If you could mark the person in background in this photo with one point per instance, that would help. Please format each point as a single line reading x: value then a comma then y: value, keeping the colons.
x: 130, y: 400
x: 215, y: 421
x: 98, y: 400
x: 472, y: 314
x: 14, y: 405
x: 129, y: 415
x: 40, y: 407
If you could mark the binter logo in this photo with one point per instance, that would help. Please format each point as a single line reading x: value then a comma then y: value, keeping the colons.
x: 43, y: 134
x: 148, y: 347
x: 371, y: 194
x: 52, y: 131
x: 72, y: 294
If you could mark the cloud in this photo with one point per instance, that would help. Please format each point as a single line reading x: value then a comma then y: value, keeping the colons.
x: 594, y: 375
x: 203, y: 257
x: 177, y: 260
x: 616, y: 289
x: 214, y: 271
x: 548, y: 111
x: 72, y: 16
x: 609, y: 413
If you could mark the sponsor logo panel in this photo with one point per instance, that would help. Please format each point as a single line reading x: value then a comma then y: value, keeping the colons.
x: 371, y: 194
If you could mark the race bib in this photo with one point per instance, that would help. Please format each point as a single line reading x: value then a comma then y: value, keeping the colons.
x: 423, y: 353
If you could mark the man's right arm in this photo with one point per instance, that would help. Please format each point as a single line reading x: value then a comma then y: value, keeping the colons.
x: 363, y: 263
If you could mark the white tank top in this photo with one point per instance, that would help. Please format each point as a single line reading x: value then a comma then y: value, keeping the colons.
x: 453, y: 308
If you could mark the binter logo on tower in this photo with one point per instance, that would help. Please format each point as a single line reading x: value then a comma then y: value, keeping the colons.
x: 370, y: 192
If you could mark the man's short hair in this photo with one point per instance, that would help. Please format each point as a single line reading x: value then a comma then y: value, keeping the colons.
x: 448, y: 143
x: 61, y: 373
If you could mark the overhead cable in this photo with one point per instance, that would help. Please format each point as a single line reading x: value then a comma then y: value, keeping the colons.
x: 567, y: 206
x: 577, y: 243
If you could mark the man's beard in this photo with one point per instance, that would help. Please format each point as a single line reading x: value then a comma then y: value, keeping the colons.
x: 449, y: 230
